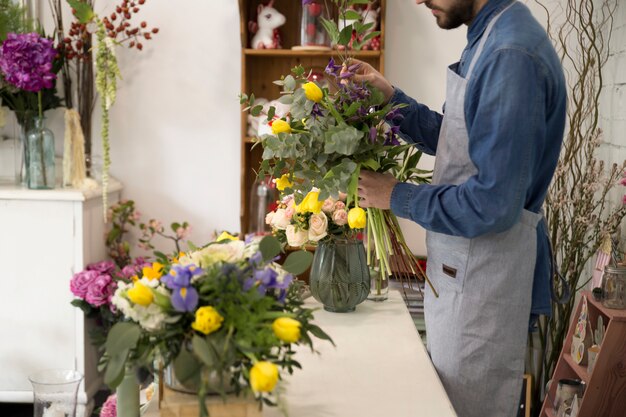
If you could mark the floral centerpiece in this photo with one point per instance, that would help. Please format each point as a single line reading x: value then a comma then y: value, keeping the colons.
x: 329, y: 135
x: 224, y: 315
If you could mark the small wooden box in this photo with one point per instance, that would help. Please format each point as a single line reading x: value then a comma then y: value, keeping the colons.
x: 178, y: 404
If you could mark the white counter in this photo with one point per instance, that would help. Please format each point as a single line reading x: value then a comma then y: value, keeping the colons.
x: 379, y: 368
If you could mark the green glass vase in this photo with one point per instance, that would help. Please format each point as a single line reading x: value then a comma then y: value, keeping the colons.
x: 340, y: 277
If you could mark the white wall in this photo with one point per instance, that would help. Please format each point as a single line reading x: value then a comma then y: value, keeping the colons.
x: 175, y: 125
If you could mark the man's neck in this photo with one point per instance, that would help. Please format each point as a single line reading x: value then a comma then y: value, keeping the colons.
x: 478, y: 5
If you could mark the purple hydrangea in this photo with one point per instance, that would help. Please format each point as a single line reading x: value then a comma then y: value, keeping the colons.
x: 26, y: 61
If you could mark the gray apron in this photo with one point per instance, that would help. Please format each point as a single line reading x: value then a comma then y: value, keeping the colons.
x: 477, y: 328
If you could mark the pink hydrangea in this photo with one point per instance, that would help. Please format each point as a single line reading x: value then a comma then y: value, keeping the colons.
x: 109, y: 408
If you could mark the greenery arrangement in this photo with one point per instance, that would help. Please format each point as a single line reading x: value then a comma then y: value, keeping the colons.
x: 578, y: 208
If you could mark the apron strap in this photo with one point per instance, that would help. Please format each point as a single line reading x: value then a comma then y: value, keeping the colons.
x: 483, y: 39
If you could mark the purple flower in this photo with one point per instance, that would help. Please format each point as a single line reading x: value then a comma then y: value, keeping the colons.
x: 104, y: 267
x: 26, y: 61
x: 332, y: 69
x: 373, y: 134
x: 184, y: 296
x: 81, y: 281
x: 100, y: 290
x: 109, y: 408
x: 305, y: 2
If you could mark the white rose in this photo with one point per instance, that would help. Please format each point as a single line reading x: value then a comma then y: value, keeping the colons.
x: 231, y: 251
x: 295, y: 237
x: 268, y: 217
x: 318, y: 227
x: 280, y: 220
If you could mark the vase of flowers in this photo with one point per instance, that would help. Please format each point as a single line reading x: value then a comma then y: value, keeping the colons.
x: 340, y: 278
x: 224, y: 309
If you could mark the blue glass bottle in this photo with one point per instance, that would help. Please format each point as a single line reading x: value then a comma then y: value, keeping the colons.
x: 41, y: 175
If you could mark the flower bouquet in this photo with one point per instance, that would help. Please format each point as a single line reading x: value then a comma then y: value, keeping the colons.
x: 225, y: 316
x: 329, y: 135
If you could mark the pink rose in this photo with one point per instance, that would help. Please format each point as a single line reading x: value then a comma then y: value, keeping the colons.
x: 328, y: 206
x: 100, y: 291
x: 104, y: 267
x: 289, y: 212
x: 340, y: 205
x: 279, y: 220
x: 340, y: 217
x: 318, y: 227
x: 81, y: 281
x: 109, y: 408
x: 343, y: 196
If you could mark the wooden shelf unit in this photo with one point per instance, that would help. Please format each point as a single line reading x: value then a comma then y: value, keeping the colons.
x: 260, y: 67
x: 605, y: 388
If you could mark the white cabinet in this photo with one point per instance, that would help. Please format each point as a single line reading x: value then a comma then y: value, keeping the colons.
x: 45, y: 237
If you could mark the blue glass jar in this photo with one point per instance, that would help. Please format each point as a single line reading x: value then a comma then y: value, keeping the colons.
x: 40, y: 159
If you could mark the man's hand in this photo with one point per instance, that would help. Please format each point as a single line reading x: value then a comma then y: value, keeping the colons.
x: 375, y: 189
x: 365, y: 72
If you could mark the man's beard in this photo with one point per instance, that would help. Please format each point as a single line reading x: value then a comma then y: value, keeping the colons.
x: 455, y: 16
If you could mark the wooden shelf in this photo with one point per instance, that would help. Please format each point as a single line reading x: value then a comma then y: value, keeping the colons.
x: 580, y: 370
x: 290, y: 53
x: 605, y: 388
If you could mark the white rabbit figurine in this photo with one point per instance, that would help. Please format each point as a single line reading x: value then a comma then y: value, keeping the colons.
x: 265, y: 29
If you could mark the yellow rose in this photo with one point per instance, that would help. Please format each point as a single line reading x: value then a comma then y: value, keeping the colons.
x: 263, y: 376
x: 310, y: 204
x: 208, y: 320
x: 283, y: 182
x: 280, y: 126
x: 313, y: 92
x: 287, y: 329
x: 357, y: 218
x: 153, y: 272
x: 140, y: 294
x: 226, y: 236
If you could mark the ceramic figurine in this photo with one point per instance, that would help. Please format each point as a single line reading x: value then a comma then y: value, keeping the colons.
x: 265, y: 29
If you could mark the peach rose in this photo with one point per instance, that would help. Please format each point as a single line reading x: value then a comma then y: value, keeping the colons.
x: 318, y: 227
x: 340, y: 217
x: 295, y: 236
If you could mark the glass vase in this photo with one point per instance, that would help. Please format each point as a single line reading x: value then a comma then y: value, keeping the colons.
x: 55, y: 392
x: 379, y: 288
x: 40, y: 156
x: 312, y: 32
x: 127, y: 393
x: 340, y: 277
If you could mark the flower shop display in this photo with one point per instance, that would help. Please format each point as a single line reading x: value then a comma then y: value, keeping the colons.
x: 329, y: 135
x: 224, y: 309
x: 27, y: 64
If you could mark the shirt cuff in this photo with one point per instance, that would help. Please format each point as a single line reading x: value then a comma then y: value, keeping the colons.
x: 401, y: 198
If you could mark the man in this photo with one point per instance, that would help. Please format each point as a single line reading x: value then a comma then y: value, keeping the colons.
x: 497, y: 146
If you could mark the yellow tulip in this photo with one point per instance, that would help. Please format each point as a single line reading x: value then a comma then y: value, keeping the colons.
x: 153, y: 272
x: 280, y: 126
x: 226, y: 236
x: 357, y: 218
x: 283, y: 182
x: 140, y: 294
x: 313, y: 92
x: 287, y: 329
x: 207, y: 320
x: 263, y: 376
x: 311, y: 203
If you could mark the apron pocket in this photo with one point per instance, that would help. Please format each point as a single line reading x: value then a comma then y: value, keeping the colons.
x: 447, y: 260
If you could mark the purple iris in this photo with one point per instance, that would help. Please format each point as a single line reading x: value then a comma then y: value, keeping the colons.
x: 267, y: 279
x: 305, y: 2
x: 184, y: 296
x: 26, y: 61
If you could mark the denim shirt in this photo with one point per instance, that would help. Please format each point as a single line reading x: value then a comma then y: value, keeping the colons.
x: 515, y: 108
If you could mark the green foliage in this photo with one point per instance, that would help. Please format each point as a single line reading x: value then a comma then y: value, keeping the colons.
x: 13, y: 18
